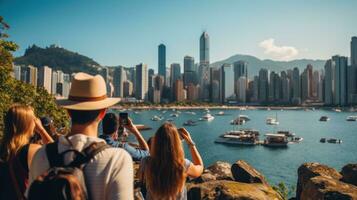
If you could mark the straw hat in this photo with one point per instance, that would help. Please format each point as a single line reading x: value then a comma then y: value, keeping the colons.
x: 87, y: 93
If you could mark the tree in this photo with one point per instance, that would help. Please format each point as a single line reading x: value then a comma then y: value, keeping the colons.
x: 14, y: 91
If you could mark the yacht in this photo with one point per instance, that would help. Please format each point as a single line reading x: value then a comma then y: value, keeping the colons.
x: 337, y: 110
x: 238, y: 121
x: 156, y: 118
x: 189, y: 123
x: 272, y: 121
x: 323, y: 140
x: 207, y: 117
x: 296, y: 139
x: 244, y: 117
x: 352, y: 118
x: 286, y: 133
x: 324, y: 118
x: 276, y: 140
x: 239, y: 138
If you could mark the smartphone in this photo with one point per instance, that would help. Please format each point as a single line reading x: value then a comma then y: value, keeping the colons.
x: 123, y: 117
x: 180, y: 133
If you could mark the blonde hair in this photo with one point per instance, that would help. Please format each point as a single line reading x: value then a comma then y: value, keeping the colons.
x: 164, y: 174
x: 17, y: 130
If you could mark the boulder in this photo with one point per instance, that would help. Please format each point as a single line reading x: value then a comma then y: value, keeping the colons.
x: 349, y: 174
x: 229, y: 190
x: 218, y: 171
x: 327, y: 188
x: 310, y: 170
x: 243, y: 172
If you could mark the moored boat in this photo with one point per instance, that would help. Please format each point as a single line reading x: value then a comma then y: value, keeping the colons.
x: 324, y: 119
x: 276, y: 140
x: 189, y: 123
x: 238, y: 121
x: 352, y: 118
x: 239, y: 138
x: 156, y: 118
x: 207, y: 117
x: 272, y: 121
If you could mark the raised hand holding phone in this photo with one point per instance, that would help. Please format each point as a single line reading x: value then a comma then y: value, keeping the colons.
x: 186, y: 136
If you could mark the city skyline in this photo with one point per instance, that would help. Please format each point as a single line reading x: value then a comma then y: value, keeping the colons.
x: 263, y: 38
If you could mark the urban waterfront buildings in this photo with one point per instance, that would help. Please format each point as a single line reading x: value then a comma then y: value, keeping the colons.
x: 141, y: 86
x: 162, y: 60
x: 45, y: 78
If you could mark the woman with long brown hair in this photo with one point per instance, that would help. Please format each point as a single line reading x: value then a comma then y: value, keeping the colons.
x: 165, y: 171
x: 16, y: 152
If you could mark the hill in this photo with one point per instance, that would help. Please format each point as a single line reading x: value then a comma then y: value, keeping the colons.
x: 255, y: 64
x: 58, y: 59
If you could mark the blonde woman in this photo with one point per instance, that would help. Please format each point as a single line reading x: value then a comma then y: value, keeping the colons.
x: 16, y: 152
x: 164, y: 172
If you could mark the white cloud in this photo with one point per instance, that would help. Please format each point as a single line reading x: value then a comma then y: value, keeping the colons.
x: 278, y: 52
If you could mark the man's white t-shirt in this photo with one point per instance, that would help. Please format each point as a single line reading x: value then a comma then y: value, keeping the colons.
x: 108, y: 176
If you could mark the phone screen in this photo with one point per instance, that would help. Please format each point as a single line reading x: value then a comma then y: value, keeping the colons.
x: 123, y: 117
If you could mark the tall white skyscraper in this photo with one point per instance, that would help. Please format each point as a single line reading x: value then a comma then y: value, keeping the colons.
x: 118, y: 81
x: 141, y: 86
x: 45, y: 78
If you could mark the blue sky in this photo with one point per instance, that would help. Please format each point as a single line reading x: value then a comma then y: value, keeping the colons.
x: 128, y: 32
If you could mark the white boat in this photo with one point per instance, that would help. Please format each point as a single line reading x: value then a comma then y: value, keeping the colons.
x: 324, y: 118
x: 174, y: 115
x: 272, y: 121
x: 296, y: 139
x: 286, y: 133
x: 240, y: 137
x: 220, y: 113
x: 238, y: 121
x: 156, y: 118
x: 352, y: 118
x: 276, y: 140
x: 337, y: 110
x: 245, y: 117
x: 207, y: 117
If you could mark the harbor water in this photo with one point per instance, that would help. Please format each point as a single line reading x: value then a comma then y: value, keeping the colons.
x: 277, y: 164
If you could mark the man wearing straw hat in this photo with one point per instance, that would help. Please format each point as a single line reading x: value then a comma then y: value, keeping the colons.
x: 109, y: 175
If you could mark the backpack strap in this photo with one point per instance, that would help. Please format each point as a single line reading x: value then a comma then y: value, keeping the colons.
x: 88, y: 154
x: 54, y: 159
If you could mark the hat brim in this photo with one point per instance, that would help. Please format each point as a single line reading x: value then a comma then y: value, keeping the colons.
x: 87, y: 105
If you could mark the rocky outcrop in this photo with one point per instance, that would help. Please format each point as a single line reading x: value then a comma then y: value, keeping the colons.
x: 243, y: 172
x: 230, y: 190
x: 318, y: 182
x: 349, y: 174
x: 224, y: 181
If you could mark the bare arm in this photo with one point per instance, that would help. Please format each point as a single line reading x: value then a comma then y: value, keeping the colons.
x: 132, y: 128
x: 195, y: 170
x: 46, y: 138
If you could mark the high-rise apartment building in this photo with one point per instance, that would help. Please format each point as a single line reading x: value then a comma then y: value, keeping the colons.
x: 227, y: 92
x: 162, y: 60
x: 329, y: 82
x: 340, y: 80
x: 175, y: 73
x: 141, y: 86
x: 45, y: 78
x: 119, y: 77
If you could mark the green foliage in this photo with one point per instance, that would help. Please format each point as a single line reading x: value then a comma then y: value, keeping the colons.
x: 14, y: 91
x: 283, y: 190
x: 58, y: 59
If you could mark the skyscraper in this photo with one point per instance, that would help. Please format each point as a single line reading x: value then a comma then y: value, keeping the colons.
x: 162, y: 60
x: 285, y: 87
x: 305, y: 85
x: 118, y: 81
x: 203, y: 69
x: 340, y: 80
x: 104, y: 72
x: 354, y: 51
x: 54, y: 82
x: 242, y: 89
x: 141, y: 86
x: 227, y: 92
x: 175, y: 71
x: 128, y: 88
x: 296, y: 85
x: 189, y: 74
x: 263, y: 85
x: 29, y: 74
x: 179, y: 94
x: 240, y: 70
x: 151, y: 73
x: 17, y: 72
x: 329, y: 83
x: 311, y: 86
x: 45, y: 78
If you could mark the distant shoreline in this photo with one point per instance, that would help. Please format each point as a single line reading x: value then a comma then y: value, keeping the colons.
x: 223, y: 107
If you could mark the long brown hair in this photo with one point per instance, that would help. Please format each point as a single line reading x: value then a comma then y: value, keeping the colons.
x: 18, y: 128
x: 164, y: 174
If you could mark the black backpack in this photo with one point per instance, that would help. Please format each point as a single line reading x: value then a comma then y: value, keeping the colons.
x: 65, y: 182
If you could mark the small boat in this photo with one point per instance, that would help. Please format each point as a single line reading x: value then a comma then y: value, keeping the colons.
x: 352, y: 118
x: 337, y: 110
x: 296, y: 139
x: 220, y: 113
x: 323, y: 140
x: 272, y: 121
x: 238, y: 121
x: 334, y: 140
x: 174, y: 115
x: 156, y: 118
x: 276, y: 140
x: 207, y: 117
x: 170, y: 120
x: 245, y: 117
x: 324, y: 119
x: 189, y: 123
